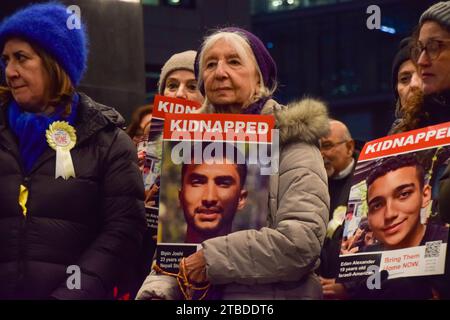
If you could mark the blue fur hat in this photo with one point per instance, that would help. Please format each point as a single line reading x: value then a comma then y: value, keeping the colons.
x: 47, y: 26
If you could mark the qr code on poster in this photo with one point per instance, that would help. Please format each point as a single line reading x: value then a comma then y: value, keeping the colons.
x: 432, y: 249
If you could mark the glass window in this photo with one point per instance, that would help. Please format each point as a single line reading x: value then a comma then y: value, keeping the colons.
x: 151, y: 2
x: 151, y: 81
x: 187, y: 4
x: 268, y: 6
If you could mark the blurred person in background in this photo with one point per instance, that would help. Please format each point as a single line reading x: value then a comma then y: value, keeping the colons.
x: 177, y: 78
x: 407, y: 88
x: 140, y: 118
x: 338, y: 152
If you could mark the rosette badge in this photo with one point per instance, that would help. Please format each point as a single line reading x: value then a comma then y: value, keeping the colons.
x: 61, y: 137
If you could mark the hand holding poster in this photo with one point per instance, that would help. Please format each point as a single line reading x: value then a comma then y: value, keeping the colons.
x: 392, y: 220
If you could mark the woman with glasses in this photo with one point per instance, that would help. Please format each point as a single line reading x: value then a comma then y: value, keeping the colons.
x: 430, y: 52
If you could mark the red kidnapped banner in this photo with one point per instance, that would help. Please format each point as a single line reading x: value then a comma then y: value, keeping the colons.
x: 165, y: 105
x: 424, y: 138
x: 219, y: 127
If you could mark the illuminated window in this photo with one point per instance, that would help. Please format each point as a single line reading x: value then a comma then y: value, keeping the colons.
x: 151, y: 2
x: 190, y: 4
x: 267, y: 6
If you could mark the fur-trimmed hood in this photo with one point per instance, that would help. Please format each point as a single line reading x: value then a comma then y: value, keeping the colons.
x: 305, y: 120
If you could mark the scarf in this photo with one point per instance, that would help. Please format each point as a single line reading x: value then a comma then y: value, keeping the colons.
x: 30, y: 130
x: 256, y: 107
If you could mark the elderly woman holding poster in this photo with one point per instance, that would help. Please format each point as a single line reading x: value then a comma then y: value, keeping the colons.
x: 238, y: 75
x: 71, y: 196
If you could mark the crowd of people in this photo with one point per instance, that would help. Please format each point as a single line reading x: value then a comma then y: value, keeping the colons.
x: 72, y: 192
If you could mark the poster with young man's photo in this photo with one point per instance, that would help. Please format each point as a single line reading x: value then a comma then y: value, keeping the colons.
x: 214, y: 180
x: 152, y: 149
x: 392, y: 221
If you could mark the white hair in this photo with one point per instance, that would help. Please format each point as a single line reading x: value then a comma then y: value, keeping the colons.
x: 241, y: 44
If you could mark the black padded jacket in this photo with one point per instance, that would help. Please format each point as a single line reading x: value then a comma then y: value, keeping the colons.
x: 94, y: 221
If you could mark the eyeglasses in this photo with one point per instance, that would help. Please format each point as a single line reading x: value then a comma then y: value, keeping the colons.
x: 330, y: 145
x: 433, y: 49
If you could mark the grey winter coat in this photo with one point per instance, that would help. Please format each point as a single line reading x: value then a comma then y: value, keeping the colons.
x: 278, y: 261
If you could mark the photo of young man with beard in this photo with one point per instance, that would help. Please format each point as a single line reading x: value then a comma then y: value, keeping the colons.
x: 204, y: 193
x: 210, y: 196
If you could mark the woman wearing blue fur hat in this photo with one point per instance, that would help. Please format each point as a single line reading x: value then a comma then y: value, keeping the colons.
x: 71, y: 196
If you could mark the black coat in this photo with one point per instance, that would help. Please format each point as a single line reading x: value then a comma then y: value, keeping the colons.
x: 339, y: 191
x: 95, y: 221
x: 436, y: 108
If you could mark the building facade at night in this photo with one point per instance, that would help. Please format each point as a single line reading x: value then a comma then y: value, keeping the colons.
x: 323, y: 48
